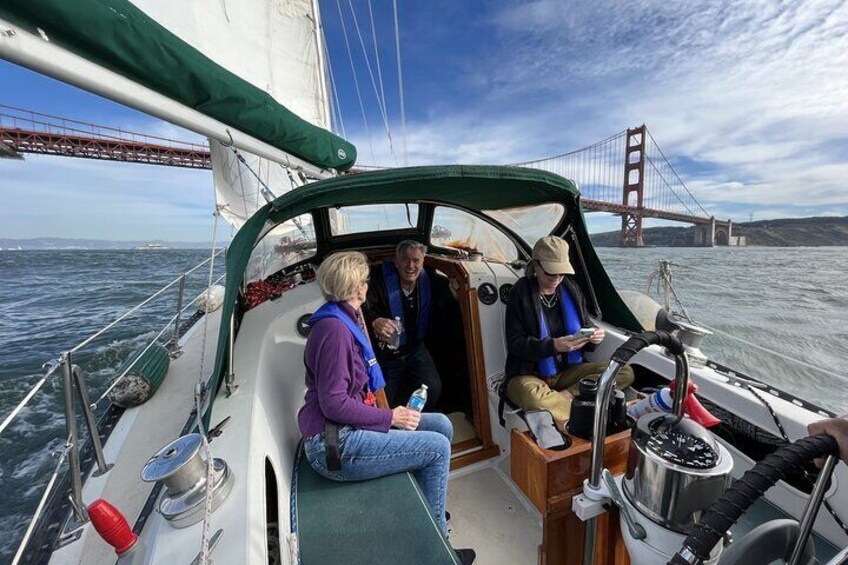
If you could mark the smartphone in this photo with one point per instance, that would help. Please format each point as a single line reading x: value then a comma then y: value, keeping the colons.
x: 583, y: 332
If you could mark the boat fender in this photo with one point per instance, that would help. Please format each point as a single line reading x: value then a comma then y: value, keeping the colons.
x: 112, y: 526
x: 211, y: 300
x: 145, y: 370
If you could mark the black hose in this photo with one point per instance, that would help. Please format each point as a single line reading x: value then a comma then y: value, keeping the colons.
x: 640, y: 341
x: 724, y: 512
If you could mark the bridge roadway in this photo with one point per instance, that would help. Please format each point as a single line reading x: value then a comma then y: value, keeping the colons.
x: 68, y: 144
x: 613, y: 208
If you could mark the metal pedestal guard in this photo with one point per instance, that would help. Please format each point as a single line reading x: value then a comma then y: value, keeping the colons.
x: 72, y: 378
x: 619, y: 359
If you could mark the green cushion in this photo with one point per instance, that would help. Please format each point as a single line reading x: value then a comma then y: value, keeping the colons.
x: 384, y: 520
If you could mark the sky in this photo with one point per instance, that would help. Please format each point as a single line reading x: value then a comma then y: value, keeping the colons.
x: 749, y: 100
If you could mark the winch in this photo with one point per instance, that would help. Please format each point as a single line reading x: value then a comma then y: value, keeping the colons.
x: 181, y: 466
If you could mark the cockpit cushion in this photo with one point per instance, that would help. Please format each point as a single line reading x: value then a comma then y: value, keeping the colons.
x: 383, y: 520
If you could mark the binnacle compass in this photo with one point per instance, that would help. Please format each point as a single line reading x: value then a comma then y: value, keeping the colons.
x: 684, y: 449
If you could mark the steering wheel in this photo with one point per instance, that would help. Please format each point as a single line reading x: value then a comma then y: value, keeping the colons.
x: 768, y: 543
x: 773, y: 538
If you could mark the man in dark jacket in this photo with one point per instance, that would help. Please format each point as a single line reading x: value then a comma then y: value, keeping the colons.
x: 402, y: 288
x: 545, y: 314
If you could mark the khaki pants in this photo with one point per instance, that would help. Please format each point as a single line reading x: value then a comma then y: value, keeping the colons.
x: 530, y: 392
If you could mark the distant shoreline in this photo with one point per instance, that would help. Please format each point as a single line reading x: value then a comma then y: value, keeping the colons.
x: 819, y: 231
x: 69, y: 244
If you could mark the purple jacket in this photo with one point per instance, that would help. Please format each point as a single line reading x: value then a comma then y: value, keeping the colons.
x: 335, y: 381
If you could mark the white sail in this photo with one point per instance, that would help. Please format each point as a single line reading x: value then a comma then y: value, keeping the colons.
x: 273, y: 44
x: 276, y: 46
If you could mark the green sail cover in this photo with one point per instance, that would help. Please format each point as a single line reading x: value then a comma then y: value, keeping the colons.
x: 118, y: 36
x: 473, y: 187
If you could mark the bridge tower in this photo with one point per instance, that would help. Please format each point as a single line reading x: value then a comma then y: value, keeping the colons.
x: 634, y: 177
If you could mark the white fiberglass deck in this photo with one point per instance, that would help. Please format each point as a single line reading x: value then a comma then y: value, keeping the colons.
x: 488, y: 516
x: 140, y: 433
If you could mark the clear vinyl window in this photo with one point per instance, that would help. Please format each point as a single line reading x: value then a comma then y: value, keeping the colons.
x: 460, y: 230
x: 286, y: 244
x: 531, y: 223
x: 372, y: 218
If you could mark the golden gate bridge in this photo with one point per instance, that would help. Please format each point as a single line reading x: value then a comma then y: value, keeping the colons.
x: 626, y: 174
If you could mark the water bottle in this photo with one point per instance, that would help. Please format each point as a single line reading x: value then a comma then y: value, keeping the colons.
x: 659, y: 401
x: 394, y: 340
x: 418, y: 399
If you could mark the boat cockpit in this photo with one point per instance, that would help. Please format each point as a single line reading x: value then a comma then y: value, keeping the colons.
x: 628, y: 496
x: 478, y: 225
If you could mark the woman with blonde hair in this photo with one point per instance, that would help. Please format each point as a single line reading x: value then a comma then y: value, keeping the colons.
x: 347, y: 437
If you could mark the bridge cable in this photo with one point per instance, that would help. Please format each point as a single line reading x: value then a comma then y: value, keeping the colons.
x: 570, y: 153
x: 668, y: 185
x: 675, y: 173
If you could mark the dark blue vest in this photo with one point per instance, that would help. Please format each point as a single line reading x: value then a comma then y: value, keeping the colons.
x: 547, y: 365
x: 393, y: 290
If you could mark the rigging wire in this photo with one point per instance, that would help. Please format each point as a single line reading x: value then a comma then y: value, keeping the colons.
x: 336, y: 102
x: 377, y: 58
x: 742, y: 340
x: 356, y: 81
x: 400, y: 86
x: 41, y: 504
x: 198, y: 396
x: 380, y: 104
x: 772, y: 352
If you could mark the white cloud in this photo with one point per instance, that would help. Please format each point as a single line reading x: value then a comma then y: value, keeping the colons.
x: 756, y: 92
x: 61, y: 197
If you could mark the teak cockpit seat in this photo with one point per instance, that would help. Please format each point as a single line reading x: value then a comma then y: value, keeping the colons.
x: 383, y: 520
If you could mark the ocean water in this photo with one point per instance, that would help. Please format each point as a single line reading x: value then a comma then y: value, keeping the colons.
x: 793, y: 301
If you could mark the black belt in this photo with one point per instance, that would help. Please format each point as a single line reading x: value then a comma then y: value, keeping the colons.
x: 331, y: 445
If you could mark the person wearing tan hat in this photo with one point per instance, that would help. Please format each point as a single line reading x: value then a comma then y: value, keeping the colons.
x: 544, y: 316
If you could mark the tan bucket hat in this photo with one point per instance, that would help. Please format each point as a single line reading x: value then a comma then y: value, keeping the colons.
x: 552, y: 254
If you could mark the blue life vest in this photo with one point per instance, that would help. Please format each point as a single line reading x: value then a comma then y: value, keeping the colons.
x: 547, y: 365
x: 393, y: 290
x: 333, y: 310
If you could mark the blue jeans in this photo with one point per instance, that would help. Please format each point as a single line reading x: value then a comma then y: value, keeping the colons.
x: 369, y: 455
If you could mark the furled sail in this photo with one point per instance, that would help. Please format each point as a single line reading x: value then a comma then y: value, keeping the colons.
x: 255, y: 66
x: 273, y: 44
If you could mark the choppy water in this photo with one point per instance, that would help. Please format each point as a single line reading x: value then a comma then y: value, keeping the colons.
x: 791, y: 300
x: 51, y: 301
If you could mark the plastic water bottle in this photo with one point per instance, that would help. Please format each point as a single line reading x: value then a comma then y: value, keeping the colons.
x: 394, y: 340
x: 659, y: 401
x: 418, y: 399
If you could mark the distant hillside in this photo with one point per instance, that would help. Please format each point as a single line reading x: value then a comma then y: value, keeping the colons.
x: 67, y: 243
x: 790, y: 232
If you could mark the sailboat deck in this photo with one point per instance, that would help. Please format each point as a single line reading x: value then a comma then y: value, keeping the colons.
x: 140, y: 433
x: 488, y: 516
